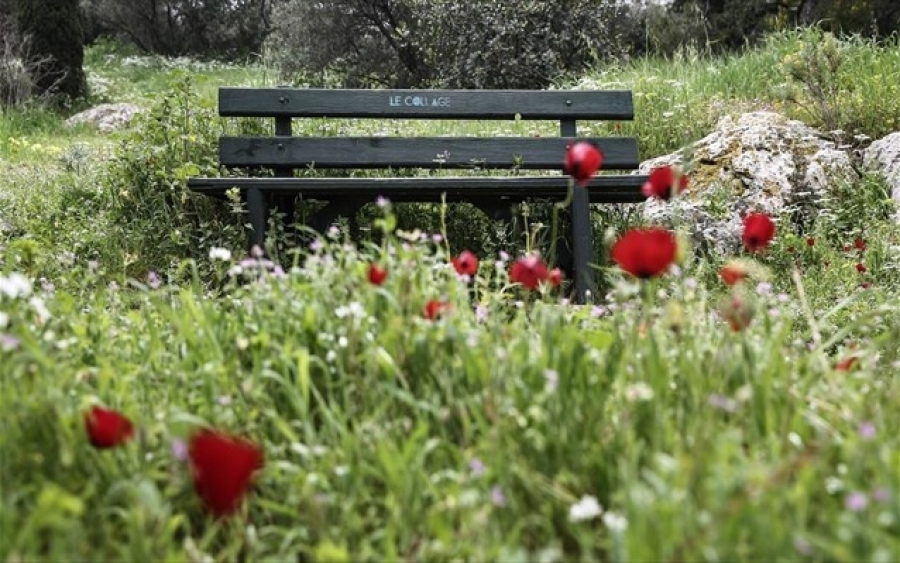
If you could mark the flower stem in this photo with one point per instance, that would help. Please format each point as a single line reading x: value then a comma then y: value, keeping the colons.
x: 554, y: 227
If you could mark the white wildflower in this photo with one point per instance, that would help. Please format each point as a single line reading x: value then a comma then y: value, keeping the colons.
x: 615, y: 523
x: 15, y: 285
x: 218, y: 253
x: 639, y: 391
x: 42, y: 312
x: 585, y: 509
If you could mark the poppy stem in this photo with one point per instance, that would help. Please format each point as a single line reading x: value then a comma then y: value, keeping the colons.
x: 554, y: 227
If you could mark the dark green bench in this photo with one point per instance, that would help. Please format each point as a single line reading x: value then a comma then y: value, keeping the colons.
x: 284, y: 154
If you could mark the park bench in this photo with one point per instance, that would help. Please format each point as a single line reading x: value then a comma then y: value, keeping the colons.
x: 495, y: 195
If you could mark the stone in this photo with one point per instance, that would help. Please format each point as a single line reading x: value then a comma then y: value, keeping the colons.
x: 761, y: 161
x: 883, y: 157
x: 106, y: 117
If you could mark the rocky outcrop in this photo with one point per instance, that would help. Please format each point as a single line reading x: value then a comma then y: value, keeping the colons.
x: 106, y: 117
x: 761, y: 161
x: 883, y: 157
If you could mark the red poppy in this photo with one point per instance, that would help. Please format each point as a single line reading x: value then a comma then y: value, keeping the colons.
x: 466, y: 263
x: 861, y: 268
x: 758, y: 231
x: 554, y: 277
x: 846, y: 248
x: 645, y: 253
x: 434, y: 309
x: 732, y: 274
x: 223, y: 468
x: 865, y: 285
x: 661, y: 182
x: 107, y: 428
x: 377, y: 274
x: 847, y: 363
x: 860, y: 244
x: 810, y: 241
x: 529, y: 271
x: 582, y: 162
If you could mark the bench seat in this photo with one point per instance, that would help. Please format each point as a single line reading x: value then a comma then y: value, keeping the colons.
x: 602, y: 189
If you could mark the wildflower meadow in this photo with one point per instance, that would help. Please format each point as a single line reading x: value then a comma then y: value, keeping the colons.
x: 411, y: 396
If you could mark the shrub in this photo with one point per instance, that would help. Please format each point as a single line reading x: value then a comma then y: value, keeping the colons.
x: 448, y: 43
x: 221, y: 28
x: 160, y: 220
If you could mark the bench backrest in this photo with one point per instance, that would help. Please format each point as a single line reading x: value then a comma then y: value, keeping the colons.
x: 285, y: 152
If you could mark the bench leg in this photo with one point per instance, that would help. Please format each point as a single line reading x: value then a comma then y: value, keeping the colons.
x: 582, y: 246
x: 256, y: 203
x: 496, y: 211
x: 326, y: 216
x: 284, y: 205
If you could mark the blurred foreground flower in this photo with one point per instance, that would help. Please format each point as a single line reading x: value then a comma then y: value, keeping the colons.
x: 645, y: 253
x: 758, y: 231
x: 377, y: 274
x: 529, y: 271
x: 223, y: 468
x: 662, y: 183
x: 582, y: 162
x: 466, y: 264
x: 585, y: 509
x: 107, y: 428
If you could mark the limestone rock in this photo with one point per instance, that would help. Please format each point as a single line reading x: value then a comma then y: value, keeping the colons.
x: 883, y: 156
x: 106, y: 117
x: 762, y: 161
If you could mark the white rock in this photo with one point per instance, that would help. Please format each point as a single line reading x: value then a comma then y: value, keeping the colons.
x: 106, y: 117
x: 883, y: 156
x: 761, y: 161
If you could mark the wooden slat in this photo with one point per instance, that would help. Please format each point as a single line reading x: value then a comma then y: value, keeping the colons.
x: 418, y: 152
x: 603, y: 189
x: 434, y: 104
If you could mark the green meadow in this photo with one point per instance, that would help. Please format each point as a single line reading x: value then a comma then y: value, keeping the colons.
x: 515, y: 426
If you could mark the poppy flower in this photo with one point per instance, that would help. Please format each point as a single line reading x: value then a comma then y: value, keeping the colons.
x: 847, y: 363
x: 758, y: 231
x: 107, y: 428
x: 810, y: 241
x: 466, y: 264
x: 846, y: 248
x: 377, y: 274
x: 223, y: 468
x: 434, y: 309
x: 865, y: 285
x: 861, y: 268
x: 661, y: 181
x: 582, y: 162
x: 529, y: 271
x: 645, y: 253
x: 732, y: 274
x: 554, y: 277
x: 860, y: 244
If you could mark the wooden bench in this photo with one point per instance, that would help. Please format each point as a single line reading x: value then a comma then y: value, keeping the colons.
x: 285, y: 154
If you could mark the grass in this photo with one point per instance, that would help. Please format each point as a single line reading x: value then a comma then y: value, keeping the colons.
x: 388, y: 436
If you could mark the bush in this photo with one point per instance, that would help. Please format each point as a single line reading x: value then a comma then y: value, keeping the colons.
x: 161, y: 220
x: 222, y: 28
x: 449, y: 43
